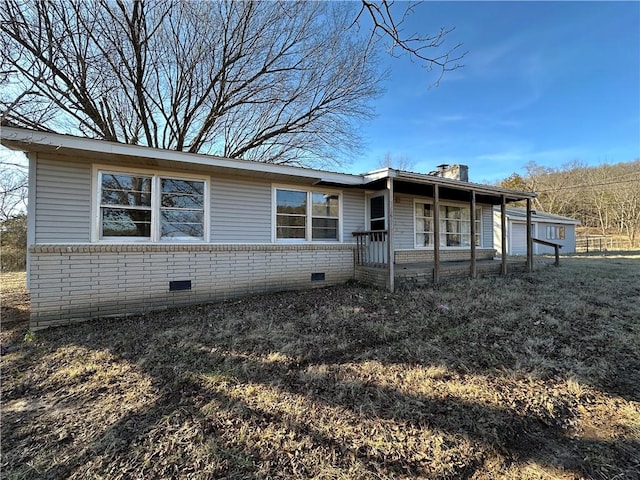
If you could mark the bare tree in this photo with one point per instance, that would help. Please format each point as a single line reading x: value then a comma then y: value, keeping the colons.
x: 388, y: 25
x: 399, y: 162
x: 13, y: 186
x: 606, y: 197
x: 278, y: 82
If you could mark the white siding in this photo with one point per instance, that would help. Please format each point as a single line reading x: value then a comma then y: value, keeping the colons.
x: 487, y: 226
x: 568, y: 244
x: 240, y: 211
x: 63, y: 201
x: 353, y: 204
x: 403, y: 222
x: 240, y: 208
x: 570, y: 239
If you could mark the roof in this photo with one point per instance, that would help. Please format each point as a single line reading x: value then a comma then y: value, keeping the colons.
x: 101, y: 150
x: 38, y: 141
x: 536, y: 215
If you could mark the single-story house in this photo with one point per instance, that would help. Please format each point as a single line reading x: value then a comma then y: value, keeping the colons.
x: 115, y: 229
x: 544, y: 226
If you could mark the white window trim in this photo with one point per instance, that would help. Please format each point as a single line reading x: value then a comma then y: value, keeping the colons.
x: 555, y: 229
x: 155, y: 175
x: 417, y: 201
x: 368, y: 218
x: 480, y: 233
x: 308, y: 227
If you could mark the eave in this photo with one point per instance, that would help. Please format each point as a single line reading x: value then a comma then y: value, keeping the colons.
x: 53, y: 143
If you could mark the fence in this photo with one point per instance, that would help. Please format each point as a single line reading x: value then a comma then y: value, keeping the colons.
x: 600, y: 243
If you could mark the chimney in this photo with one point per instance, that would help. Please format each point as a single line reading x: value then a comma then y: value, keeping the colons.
x: 455, y: 172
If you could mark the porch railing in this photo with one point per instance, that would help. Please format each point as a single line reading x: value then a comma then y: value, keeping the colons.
x: 555, y: 246
x: 371, y: 248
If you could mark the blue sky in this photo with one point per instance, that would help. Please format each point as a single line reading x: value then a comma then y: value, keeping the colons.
x: 549, y: 82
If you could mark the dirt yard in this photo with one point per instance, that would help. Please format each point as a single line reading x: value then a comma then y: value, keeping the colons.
x: 535, y: 376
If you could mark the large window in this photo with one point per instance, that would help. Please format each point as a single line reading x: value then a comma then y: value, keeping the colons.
x: 150, y: 207
x: 307, y: 215
x: 455, y: 226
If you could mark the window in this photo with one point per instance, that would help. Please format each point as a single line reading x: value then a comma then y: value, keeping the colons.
x: 376, y: 209
x: 150, y: 207
x: 324, y: 216
x: 292, y: 214
x: 455, y: 226
x: 181, y: 209
x: 307, y: 215
x: 424, y: 225
x: 125, y: 209
x: 555, y: 233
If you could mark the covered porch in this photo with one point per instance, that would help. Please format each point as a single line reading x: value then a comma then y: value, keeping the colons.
x: 383, y: 258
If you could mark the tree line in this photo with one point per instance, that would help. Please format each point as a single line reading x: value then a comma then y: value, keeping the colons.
x: 604, y: 198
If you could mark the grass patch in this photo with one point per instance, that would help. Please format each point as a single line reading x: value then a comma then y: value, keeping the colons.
x: 534, y: 376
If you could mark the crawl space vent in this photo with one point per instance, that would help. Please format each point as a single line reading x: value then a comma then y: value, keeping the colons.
x: 179, y: 285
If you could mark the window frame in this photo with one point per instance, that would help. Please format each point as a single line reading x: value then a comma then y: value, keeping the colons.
x: 156, y: 208
x: 556, y: 232
x: 373, y: 219
x: 443, y: 234
x: 309, y: 191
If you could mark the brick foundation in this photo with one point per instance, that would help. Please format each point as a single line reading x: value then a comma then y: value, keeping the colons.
x: 73, y: 283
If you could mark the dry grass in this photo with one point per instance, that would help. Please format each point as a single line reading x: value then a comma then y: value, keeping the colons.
x: 536, y: 376
x: 14, y: 307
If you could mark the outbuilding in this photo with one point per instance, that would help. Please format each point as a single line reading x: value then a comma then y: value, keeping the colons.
x: 544, y: 226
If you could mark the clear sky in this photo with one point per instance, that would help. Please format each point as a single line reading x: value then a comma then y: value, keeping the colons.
x: 549, y: 82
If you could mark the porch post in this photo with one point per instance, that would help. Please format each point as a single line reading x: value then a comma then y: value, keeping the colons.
x: 473, y: 234
x: 436, y: 234
x: 503, y: 233
x: 529, y: 238
x: 390, y: 247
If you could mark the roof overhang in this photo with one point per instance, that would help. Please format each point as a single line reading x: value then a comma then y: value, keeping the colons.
x: 449, y: 189
x: 99, y: 150
x: 522, y: 217
x: 93, y: 150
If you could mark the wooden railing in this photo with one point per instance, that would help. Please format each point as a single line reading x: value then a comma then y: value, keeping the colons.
x: 556, y: 247
x: 371, y: 248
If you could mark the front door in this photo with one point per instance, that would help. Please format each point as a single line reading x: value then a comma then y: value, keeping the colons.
x: 377, y: 248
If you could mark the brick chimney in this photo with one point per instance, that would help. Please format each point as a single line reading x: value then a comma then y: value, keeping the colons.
x: 455, y: 172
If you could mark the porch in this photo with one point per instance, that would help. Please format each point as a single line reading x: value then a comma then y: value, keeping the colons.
x: 425, y: 228
x: 423, y: 273
x: 413, y: 268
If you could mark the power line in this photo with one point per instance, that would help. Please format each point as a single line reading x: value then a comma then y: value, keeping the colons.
x: 590, y: 185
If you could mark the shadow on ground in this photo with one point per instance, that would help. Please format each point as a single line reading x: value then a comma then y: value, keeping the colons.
x: 474, y: 380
